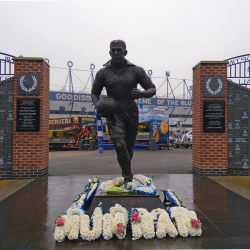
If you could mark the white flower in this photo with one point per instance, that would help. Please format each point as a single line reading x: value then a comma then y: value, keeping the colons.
x: 119, y: 219
x: 93, y: 188
x: 165, y: 226
x: 114, y: 210
x: 107, y: 226
x: 183, y: 220
x: 67, y: 226
x: 193, y: 231
x: 142, y: 211
x: 145, y: 189
x: 72, y: 211
x: 74, y: 227
x: 182, y: 224
x: 96, y: 231
x: 174, y: 210
x: 146, y: 227
x: 136, y: 231
x: 95, y: 179
x: 59, y: 234
x: 80, y: 202
x: 60, y: 230
x: 142, y: 179
x: 156, y: 212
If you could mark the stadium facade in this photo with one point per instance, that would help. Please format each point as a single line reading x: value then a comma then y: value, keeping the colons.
x: 66, y: 104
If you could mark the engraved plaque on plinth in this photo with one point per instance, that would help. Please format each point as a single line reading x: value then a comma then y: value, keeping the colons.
x: 214, y: 116
x: 28, y: 115
x: 127, y: 200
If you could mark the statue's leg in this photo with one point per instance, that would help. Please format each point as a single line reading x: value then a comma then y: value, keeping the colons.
x: 123, y: 159
x: 130, y: 145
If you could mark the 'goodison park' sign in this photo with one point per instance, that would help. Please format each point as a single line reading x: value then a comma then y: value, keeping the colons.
x: 64, y: 96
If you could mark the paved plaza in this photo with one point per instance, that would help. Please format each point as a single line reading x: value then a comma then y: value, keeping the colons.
x: 172, y: 161
x: 27, y: 216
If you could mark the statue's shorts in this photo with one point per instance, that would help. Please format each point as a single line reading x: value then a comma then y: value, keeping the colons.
x: 124, y: 123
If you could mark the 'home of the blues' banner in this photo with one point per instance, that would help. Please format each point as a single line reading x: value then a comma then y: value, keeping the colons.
x: 78, y: 97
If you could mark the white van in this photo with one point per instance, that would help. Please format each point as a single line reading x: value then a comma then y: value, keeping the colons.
x: 189, y: 135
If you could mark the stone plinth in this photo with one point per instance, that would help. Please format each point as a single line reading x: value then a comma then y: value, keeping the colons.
x: 31, y: 148
x: 210, y: 149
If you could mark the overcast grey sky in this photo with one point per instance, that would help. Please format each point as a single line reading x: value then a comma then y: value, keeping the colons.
x: 161, y: 35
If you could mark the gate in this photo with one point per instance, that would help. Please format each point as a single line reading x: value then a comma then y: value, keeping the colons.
x: 6, y: 66
x: 239, y: 69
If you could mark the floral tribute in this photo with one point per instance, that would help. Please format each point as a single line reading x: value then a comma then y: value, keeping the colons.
x: 140, y: 184
x: 60, y: 229
x: 195, y: 223
x: 120, y: 231
x: 184, y: 221
x: 145, y: 228
x: 73, y: 228
x: 108, y: 221
x: 135, y: 217
x: 74, y: 211
x: 165, y: 226
x: 147, y: 225
x: 144, y: 180
x: 59, y: 221
x: 117, y: 182
x: 163, y: 223
x: 174, y: 198
x: 119, y: 219
x: 88, y: 233
x: 159, y: 223
x: 88, y: 193
x: 145, y: 190
x: 177, y: 220
x: 114, y: 210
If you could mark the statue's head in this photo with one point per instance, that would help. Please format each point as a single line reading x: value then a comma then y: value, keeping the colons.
x: 118, y: 50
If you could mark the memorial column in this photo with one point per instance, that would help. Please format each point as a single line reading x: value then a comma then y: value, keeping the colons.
x: 209, y: 119
x: 31, y: 117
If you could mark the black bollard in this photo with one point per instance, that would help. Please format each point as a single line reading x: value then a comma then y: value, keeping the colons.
x: 92, y: 145
x: 152, y: 144
x: 80, y: 144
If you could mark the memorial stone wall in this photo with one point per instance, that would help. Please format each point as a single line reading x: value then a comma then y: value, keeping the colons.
x: 6, y: 127
x: 238, y: 129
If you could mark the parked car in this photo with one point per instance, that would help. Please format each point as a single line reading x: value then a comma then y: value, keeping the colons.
x: 189, y: 135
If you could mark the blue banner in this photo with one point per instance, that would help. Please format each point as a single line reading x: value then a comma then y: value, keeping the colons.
x: 148, y: 114
x: 157, y: 102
